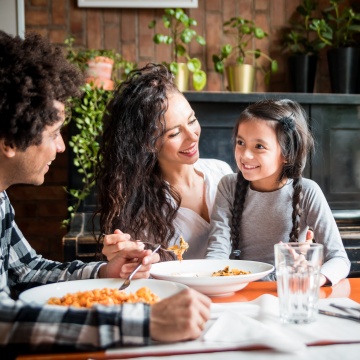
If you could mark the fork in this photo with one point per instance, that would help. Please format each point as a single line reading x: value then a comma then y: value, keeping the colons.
x: 127, y: 282
x: 345, y: 308
x: 153, y: 245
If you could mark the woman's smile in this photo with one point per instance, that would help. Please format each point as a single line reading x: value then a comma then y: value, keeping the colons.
x: 190, y: 151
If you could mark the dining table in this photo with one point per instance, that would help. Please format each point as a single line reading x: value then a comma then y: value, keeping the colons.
x: 345, y: 350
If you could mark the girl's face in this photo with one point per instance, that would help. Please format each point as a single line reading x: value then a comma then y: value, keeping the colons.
x: 180, y: 143
x: 258, y: 155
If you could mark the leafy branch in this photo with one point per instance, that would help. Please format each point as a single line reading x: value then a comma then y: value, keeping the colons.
x: 87, y: 114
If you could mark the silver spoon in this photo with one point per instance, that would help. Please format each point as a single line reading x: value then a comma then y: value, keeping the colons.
x: 126, y: 283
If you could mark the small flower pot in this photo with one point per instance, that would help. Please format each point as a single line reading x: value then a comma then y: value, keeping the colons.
x: 182, y: 77
x: 302, y: 70
x: 99, y: 67
x: 240, y: 77
x: 99, y: 82
x: 344, y: 70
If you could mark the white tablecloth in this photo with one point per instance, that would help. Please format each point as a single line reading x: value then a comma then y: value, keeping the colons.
x: 235, y: 326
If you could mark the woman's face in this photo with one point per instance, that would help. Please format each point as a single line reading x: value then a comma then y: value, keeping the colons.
x: 180, y: 143
x: 258, y: 155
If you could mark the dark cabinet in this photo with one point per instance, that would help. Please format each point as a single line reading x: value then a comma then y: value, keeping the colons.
x: 336, y: 164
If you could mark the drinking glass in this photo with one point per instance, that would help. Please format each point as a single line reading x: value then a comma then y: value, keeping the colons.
x: 298, y: 276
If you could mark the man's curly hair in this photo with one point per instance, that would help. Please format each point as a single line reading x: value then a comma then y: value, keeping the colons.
x: 33, y: 73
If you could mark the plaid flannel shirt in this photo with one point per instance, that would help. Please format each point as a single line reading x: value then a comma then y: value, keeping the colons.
x: 35, y: 328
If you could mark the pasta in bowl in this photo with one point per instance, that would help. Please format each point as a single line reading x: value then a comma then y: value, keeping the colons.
x: 232, y: 275
x: 41, y: 295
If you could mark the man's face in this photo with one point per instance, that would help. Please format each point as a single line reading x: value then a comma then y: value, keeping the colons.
x: 33, y: 163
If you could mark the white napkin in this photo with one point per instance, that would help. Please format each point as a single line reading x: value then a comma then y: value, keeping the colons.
x: 244, y: 323
x: 257, y: 323
x: 232, y: 327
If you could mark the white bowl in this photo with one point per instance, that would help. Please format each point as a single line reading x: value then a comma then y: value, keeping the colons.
x: 197, y: 274
x: 41, y: 294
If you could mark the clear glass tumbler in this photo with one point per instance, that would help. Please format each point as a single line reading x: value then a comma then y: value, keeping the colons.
x: 298, y: 276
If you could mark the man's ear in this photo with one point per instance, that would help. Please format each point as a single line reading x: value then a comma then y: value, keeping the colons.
x: 7, y: 149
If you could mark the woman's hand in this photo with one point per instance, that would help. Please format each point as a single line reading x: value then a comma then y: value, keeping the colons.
x: 115, y: 243
x: 124, y: 256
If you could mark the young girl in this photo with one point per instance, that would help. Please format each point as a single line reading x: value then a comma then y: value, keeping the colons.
x: 268, y: 200
x: 152, y: 183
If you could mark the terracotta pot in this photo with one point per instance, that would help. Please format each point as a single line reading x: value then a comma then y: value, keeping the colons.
x: 99, y: 67
x: 99, y: 82
x: 240, y: 77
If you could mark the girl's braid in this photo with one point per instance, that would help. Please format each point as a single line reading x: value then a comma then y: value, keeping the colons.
x: 297, y: 210
x: 237, y: 210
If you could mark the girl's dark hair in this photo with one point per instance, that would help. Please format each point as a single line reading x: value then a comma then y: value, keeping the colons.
x: 133, y: 196
x: 33, y: 74
x: 289, y: 121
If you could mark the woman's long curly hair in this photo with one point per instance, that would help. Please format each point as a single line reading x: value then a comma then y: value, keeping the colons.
x: 33, y: 74
x: 289, y: 121
x: 133, y: 196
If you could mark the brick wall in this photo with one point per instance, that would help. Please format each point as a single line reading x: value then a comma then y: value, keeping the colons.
x: 40, y: 210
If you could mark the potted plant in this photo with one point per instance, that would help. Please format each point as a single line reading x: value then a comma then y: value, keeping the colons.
x: 337, y: 30
x: 234, y: 59
x: 180, y: 34
x: 86, y: 120
x: 301, y: 42
x: 101, y: 67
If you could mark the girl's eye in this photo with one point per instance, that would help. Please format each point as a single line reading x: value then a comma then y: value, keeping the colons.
x: 259, y: 146
x: 239, y: 142
x: 193, y: 121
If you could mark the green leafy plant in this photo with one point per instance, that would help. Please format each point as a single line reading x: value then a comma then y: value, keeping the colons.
x: 338, y: 26
x: 243, y: 32
x: 180, y: 34
x: 81, y: 56
x: 87, y: 114
x: 300, y: 38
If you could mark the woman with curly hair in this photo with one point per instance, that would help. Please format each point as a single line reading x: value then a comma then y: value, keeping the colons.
x: 35, y: 82
x: 151, y: 182
x: 268, y: 200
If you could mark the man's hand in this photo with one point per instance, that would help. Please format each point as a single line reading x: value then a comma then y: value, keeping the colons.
x: 180, y: 317
x: 125, y: 256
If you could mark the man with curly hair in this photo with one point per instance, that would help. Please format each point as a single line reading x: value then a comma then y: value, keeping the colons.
x: 35, y: 83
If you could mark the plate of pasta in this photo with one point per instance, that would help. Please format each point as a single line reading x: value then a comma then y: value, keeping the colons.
x: 212, y: 277
x: 85, y: 293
